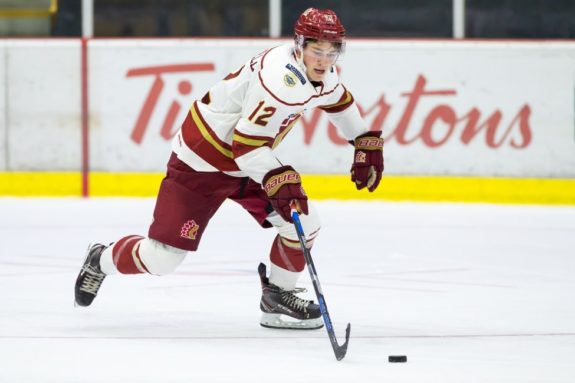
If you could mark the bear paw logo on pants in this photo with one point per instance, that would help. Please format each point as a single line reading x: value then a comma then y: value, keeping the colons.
x: 190, y: 229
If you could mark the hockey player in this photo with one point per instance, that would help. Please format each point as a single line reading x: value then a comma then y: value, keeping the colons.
x: 224, y: 150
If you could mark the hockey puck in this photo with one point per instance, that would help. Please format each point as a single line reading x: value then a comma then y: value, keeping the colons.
x: 397, y: 358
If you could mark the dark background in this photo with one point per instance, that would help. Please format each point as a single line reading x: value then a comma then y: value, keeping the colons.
x: 509, y: 19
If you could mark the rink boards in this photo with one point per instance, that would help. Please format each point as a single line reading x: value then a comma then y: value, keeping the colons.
x: 324, y: 187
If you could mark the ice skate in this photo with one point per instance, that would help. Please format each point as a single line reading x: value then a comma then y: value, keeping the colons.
x: 283, y: 309
x: 90, y: 278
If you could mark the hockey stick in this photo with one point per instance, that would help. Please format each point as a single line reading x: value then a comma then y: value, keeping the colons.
x: 339, y: 351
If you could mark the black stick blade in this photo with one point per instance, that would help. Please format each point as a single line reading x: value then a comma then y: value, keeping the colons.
x: 340, y: 351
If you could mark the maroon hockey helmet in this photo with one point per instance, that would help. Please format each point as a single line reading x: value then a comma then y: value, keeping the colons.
x: 320, y: 24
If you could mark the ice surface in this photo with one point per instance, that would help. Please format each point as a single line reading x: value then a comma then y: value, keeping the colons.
x: 470, y: 293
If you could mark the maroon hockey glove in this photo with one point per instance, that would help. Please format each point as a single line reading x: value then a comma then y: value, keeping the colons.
x: 282, y: 186
x: 367, y: 161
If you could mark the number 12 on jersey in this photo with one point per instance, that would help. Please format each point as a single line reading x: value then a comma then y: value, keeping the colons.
x: 261, y: 116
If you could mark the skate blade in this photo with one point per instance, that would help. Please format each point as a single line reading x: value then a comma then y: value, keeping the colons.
x: 281, y: 321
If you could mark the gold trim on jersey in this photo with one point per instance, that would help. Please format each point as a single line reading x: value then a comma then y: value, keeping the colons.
x: 249, y: 141
x: 348, y: 98
x: 343, y: 103
x: 279, y: 138
x: 206, y: 134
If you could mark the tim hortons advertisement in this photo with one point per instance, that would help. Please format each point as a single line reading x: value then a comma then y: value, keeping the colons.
x: 446, y: 108
x: 488, y: 109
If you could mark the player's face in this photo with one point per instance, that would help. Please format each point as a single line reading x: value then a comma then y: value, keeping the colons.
x: 318, y: 58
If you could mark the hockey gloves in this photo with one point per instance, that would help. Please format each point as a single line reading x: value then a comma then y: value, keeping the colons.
x: 282, y: 186
x: 367, y: 161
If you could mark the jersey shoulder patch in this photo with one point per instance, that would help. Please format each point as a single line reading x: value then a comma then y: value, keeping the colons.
x: 300, y: 76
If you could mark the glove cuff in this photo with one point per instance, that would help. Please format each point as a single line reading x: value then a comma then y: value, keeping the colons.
x: 369, y: 141
x: 275, y: 179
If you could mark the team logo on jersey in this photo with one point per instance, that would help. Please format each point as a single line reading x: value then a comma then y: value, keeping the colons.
x: 297, y: 73
x: 190, y: 230
x: 289, y: 80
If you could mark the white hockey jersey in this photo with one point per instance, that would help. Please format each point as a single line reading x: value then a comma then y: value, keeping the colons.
x: 237, y: 124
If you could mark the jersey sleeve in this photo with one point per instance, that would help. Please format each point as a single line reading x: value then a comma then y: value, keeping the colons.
x: 343, y: 112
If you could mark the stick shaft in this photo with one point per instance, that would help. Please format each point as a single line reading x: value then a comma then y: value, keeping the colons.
x: 339, y: 351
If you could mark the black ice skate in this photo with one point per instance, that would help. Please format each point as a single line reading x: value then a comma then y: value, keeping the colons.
x: 90, y: 278
x: 283, y: 309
